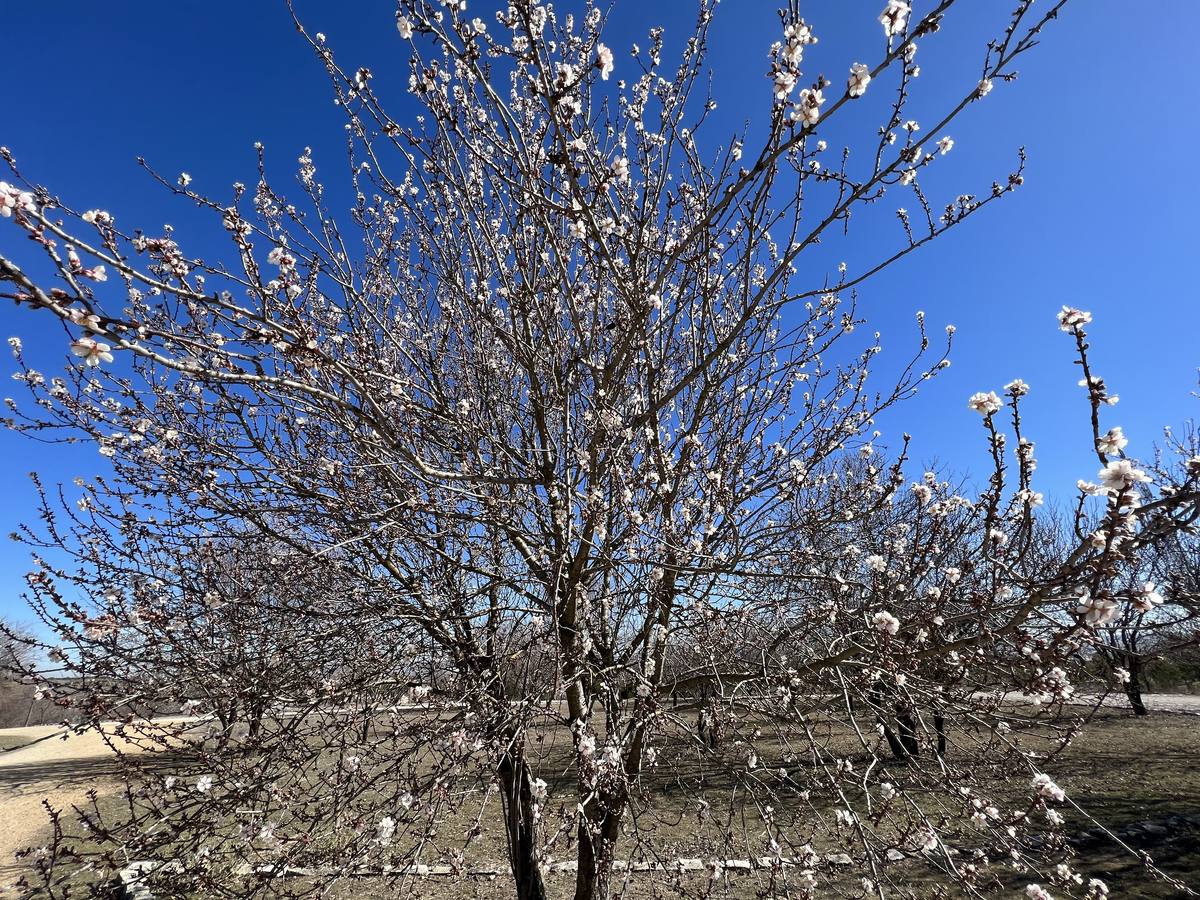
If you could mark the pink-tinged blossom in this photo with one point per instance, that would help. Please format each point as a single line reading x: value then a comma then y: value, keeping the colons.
x: 13, y: 199
x: 1037, y: 892
x: 1147, y: 598
x: 91, y: 351
x: 945, y: 144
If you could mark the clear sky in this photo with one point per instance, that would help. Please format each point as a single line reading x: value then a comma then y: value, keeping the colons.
x: 1106, y: 107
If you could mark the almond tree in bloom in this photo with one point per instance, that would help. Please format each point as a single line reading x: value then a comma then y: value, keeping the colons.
x: 422, y: 510
x: 1162, y: 593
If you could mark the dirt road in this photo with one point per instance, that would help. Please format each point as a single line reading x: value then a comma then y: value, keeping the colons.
x: 57, y: 768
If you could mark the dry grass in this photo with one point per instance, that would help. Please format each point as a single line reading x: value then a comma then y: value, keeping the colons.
x: 1121, y: 770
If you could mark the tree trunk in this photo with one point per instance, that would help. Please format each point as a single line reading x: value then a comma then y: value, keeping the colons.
x: 1133, y: 687
x: 908, y: 733
x: 597, y: 847
x: 898, y: 745
x: 516, y: 789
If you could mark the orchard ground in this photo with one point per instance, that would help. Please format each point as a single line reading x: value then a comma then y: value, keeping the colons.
x: 1136, y: 777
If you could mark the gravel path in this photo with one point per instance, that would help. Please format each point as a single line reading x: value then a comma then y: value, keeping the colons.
x: 1172, y: 703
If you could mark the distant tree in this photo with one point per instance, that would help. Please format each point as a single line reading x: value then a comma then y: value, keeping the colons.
x: 17, y: 648
x: 17, y: 659
x: 565, y: 413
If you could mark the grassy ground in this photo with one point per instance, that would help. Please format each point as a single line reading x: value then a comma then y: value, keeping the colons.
x: 1121, y: 771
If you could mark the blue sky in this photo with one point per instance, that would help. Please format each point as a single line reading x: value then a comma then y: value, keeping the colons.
x: 1105, y: 108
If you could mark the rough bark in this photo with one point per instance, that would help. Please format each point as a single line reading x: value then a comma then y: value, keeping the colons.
x: 516, y: 789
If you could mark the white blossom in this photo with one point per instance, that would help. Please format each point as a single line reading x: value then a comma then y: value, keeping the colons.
x: 807, y: 110
x: 1096, y: 610
x: 859, y: 77
x: 1147, y: 598
x: 385, y: 829
x: 1112, y: 441
x: 1045, y: 787
x: 91, y: 351
x: 1070, y: 318
x: 404, y: 27
x: 945, y: 144
x: 894, y: 17
x: 785, y: 82
x: 1121, y: 474
x: 604, y: 61
x: 986, y: 404
x: 885, y: 621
